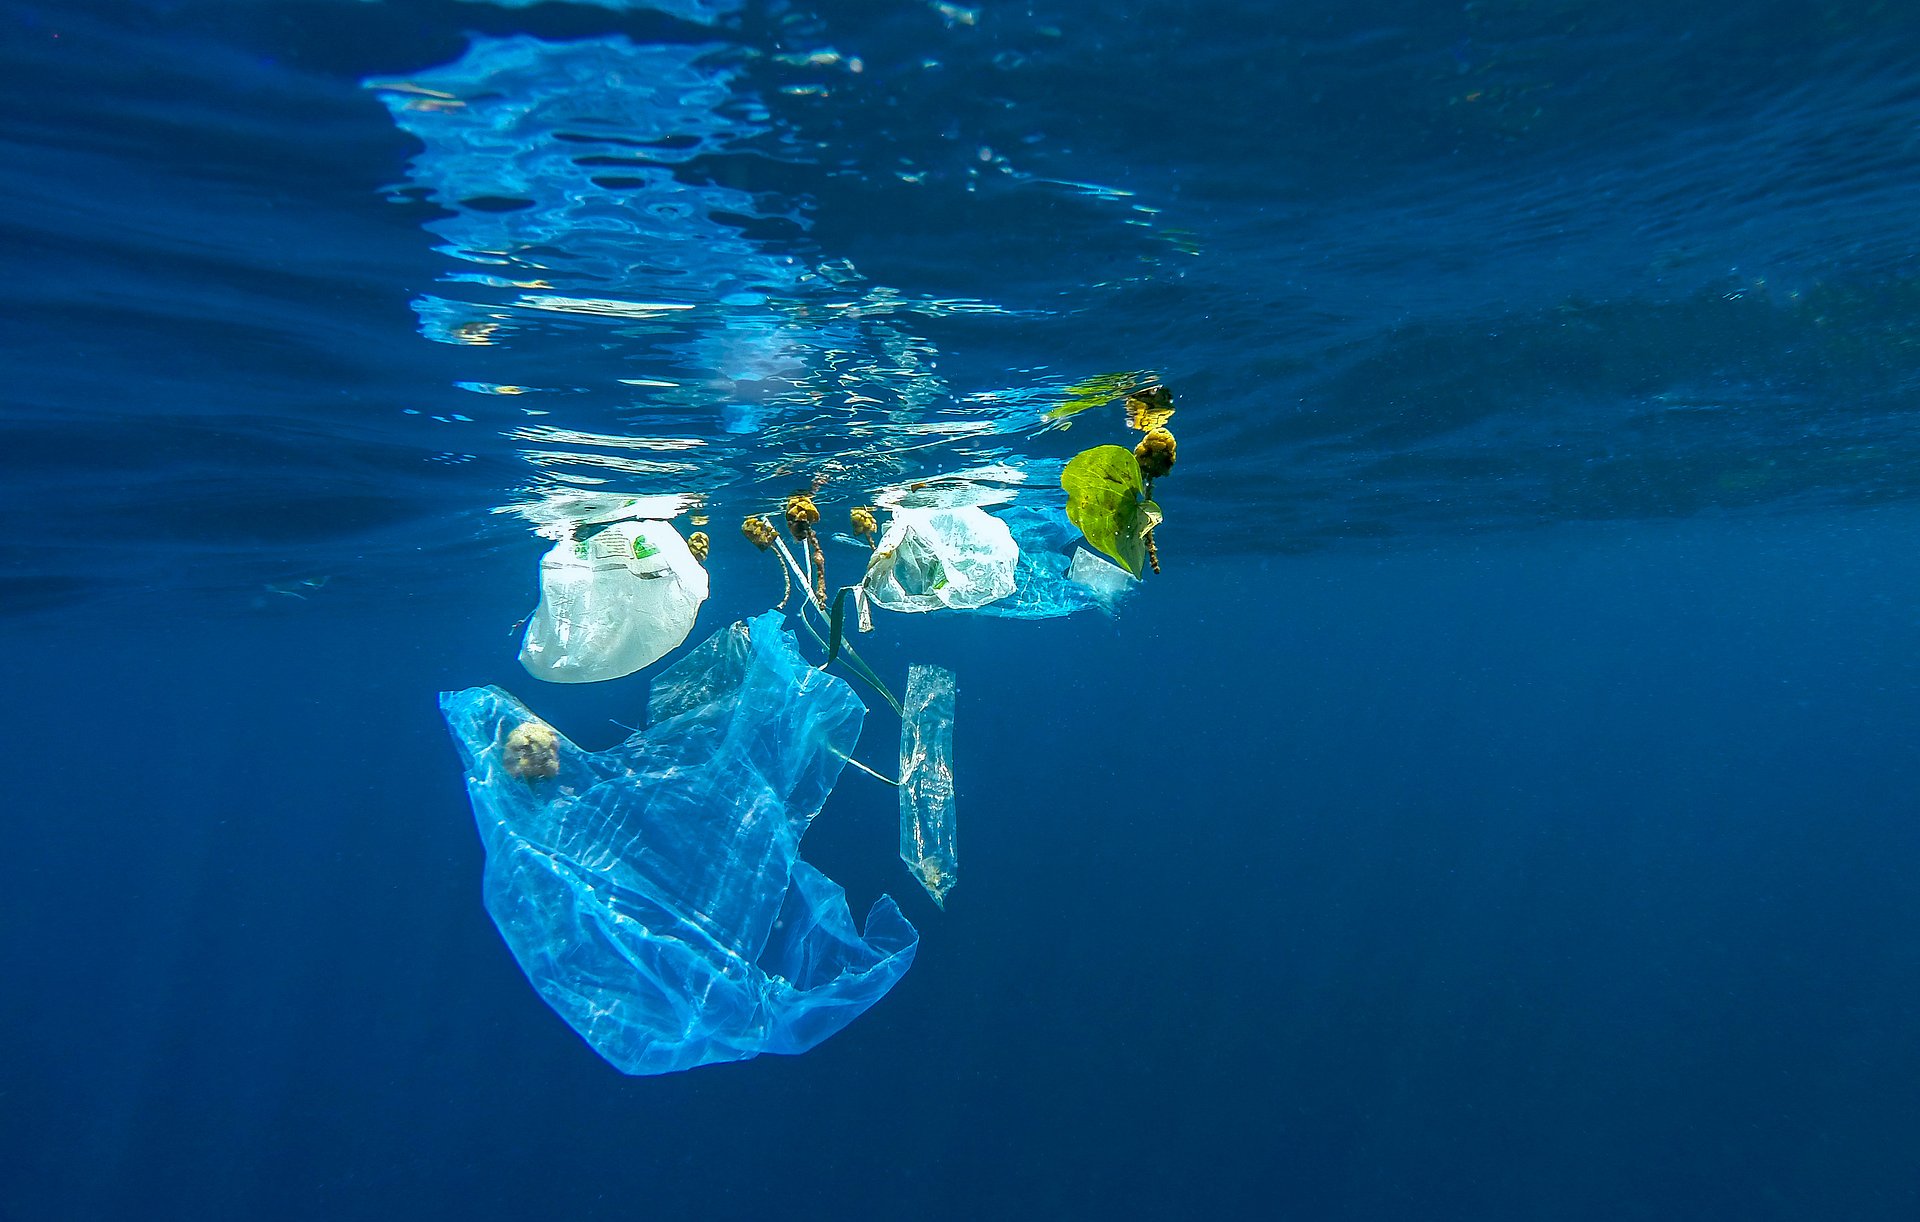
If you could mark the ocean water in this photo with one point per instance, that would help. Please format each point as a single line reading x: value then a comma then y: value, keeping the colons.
x: 1501, y: 806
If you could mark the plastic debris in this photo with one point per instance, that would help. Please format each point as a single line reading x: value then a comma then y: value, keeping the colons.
x: 932, y: 558
x: 611, y: 603
x: 1054, y: 577
x: 1106, y: 582
x: 926, y: 780
x: 653, y: 892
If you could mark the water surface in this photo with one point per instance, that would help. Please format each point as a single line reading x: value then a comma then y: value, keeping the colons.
x: 1501, y: 807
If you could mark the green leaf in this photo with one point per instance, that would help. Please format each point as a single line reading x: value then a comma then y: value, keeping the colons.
x: 1104, y: 500
x: 837, y: 626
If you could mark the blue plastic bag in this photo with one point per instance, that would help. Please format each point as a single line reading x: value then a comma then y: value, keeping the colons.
x: 654, y: 892
x: 1054, y: 578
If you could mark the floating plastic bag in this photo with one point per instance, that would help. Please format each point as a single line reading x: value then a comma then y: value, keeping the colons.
x: 611, y: 603
x: 654, y: 892
x: 960, y: 557
x: 1054, y: 577
x: 926, y: 780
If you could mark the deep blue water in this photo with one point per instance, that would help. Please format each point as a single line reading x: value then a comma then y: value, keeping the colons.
x: 1502, y: 806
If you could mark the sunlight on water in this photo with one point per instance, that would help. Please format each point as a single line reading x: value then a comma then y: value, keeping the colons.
x: 600, y: 167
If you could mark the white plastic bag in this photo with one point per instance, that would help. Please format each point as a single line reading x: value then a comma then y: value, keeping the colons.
x: 612, y: 603
x: 932, y: 558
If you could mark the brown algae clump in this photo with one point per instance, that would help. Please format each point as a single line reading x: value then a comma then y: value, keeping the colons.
x: 759, y: 532
x: 533, y: 752
x: 1149, y: 409
x: 1155, y: 453
x: 802, y: 513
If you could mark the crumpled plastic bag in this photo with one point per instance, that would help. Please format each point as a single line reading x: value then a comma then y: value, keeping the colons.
x: 612, y: 603
x: 654, y: 892
x: 960, y: 557
x: 1054, y: 577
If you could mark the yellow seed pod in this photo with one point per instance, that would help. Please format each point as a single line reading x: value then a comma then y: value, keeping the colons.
x: 1155, y: 453
x: 802, y: 513
x: 697, y: 544
x: 759, y: 532
x: 864, y: 523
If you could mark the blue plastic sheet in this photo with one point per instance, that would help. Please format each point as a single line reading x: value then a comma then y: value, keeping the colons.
x: 1053, y: 578
x: 654, y: 892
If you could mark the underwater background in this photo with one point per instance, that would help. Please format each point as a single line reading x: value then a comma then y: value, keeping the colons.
x: 1503, y: 804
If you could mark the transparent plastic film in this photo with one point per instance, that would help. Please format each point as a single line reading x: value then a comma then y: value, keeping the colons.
x: 926, y: 780
x: 930, y: 559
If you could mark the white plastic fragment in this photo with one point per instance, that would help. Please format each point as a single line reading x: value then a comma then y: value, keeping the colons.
x: 1108, y: 581
x: 612, y: 603
x: 932, y: 558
